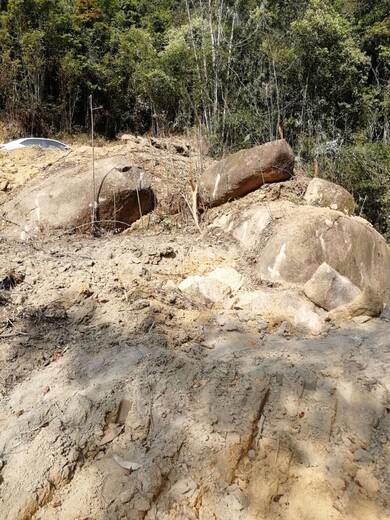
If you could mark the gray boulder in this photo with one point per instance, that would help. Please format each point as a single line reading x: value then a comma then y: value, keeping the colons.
x: 290, y: 243
x: 328, y: 289
x: 65, y: 198
x: 327, y: 194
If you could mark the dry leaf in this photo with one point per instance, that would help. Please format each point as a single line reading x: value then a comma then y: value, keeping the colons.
x: 113, y: 431
x: 126, y: 463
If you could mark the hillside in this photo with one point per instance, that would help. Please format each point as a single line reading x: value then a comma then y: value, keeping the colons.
x: 128, y: 395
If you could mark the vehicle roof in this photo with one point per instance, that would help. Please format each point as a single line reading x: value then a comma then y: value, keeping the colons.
x: 16, y: 141
x: 34, y: 137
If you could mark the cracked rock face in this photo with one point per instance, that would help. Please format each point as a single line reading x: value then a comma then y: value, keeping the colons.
x: 296, y: 240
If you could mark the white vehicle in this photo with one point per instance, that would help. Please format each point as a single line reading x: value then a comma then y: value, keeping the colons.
x: 34, y: 141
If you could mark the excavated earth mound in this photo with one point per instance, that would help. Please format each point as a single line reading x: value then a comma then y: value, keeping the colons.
x: 163, y: 374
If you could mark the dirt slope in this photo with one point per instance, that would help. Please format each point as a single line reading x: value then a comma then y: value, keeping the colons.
x: 230, y: 417
x: 170, y: 161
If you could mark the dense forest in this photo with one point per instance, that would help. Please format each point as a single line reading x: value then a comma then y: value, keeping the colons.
x: 242, y: 71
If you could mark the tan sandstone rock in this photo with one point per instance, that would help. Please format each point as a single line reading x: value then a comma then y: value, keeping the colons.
x: 290, y: 242
x: 215, y: 287
x: 288, y: 305
x: 205, y: 287
x: 64, y: 199
x: 248, y: 226
x: 327, y: 194
x: 300, y: 238
x: 129, y: 269
x: 368, y: 303
x: 228, y: 276
x: 309, y: 236
x: 328, y: 289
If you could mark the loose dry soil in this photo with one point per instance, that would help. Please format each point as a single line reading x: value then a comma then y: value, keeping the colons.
x: 229, y: 418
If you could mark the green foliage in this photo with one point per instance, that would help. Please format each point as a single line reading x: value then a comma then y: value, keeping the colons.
x: 241, y: 69
x: 364, y: 171
x: 331, y: 67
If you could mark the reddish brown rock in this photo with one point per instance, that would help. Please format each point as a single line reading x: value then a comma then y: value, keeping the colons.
x: 245, y: 171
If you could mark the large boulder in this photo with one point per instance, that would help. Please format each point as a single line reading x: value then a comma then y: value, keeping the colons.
x: 329, y: 195
x: 309, y: 236
x: 65, y: 198
x: 293, y: 242
x: 245, y: 171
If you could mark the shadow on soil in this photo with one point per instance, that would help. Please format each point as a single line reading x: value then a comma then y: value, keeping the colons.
x: 249, y: 426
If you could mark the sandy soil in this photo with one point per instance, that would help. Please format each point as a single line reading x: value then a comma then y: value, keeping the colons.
x: 217, y: 415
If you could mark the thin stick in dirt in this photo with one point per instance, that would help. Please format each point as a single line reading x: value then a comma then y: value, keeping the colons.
x: 95, y: 200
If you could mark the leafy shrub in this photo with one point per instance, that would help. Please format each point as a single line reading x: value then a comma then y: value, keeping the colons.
x: 364, y: 170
